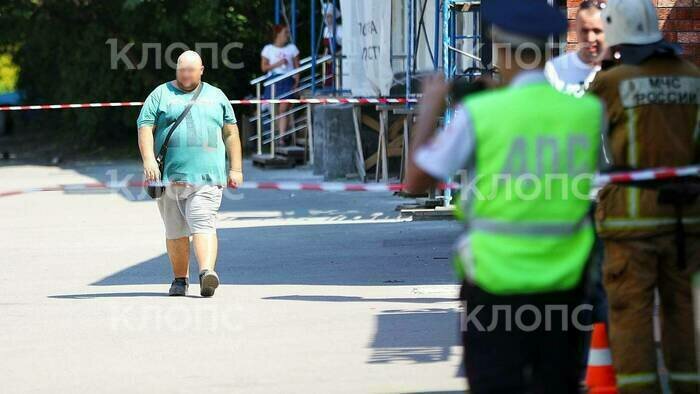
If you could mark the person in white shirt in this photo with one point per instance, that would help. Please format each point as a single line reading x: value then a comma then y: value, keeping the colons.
x: 332, y: 40
x: 330, y: 16
x: 573, y: 72
x: 279, y: 58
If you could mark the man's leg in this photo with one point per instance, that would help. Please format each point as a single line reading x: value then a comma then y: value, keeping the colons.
x: 179, y: 254
x: 560, y: 343
x: 202, y: 207
x: 205, y: 249
x: 629, y: 276
x: 496, y: 354
x: 176, y: 231
x: 677, y: 331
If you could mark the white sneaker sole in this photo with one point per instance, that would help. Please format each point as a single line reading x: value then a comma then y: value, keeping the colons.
x: 210, y: 282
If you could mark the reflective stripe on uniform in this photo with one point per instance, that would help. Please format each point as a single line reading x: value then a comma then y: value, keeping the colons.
x: 633, y: 201
x: 636, y: 379
x: 631, y: 138
x: 632, y: 192
x: 684, y: 377
x: 618, y: 224
x: 465, y: 256
x: 530, y: 228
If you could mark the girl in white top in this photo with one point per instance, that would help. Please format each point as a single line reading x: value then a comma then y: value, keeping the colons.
x: 279, y: 58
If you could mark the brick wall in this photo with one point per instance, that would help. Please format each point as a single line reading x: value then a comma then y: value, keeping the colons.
x: 679, y: 20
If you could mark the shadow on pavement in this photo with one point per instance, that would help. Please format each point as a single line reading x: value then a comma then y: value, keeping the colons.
x: 423, y: 336
x: 347, y: 254
x: 323, y: 298
x: 108, y: 295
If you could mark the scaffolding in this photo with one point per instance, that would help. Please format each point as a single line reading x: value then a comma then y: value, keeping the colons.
x: 443, y: 49
x: 428, y: 36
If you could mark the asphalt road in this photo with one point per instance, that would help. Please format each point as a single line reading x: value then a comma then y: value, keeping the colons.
x: 321, y: 292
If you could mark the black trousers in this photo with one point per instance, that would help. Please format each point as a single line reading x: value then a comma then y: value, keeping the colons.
x: 516, y: 353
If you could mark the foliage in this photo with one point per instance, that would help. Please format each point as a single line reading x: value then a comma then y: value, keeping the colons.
x: 8, y: 74
x: 63, y: 55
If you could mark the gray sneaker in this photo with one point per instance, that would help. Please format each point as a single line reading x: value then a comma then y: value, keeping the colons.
x: 179, y: 287
x: 208, y: 282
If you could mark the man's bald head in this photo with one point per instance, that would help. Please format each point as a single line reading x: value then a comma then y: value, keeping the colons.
x: 189, y: 59
x: 189, y: 70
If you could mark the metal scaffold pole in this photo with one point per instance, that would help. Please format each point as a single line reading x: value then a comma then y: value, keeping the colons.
x: 314, y: 56
x: 410, y: 5
x: 277, y: 12
x: 293, y: 20
x: 447, y: 38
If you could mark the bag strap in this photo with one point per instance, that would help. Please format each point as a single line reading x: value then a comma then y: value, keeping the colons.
x: 164, y: 147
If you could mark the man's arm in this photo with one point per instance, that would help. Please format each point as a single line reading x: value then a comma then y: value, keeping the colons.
x: 431, y: 106
x: 150, y: 166
x: 232, y: 141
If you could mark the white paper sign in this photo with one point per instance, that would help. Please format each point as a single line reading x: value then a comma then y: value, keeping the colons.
x: 367, y: 45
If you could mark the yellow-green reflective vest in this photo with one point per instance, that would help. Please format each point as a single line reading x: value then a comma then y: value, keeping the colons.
x: 527, y: 205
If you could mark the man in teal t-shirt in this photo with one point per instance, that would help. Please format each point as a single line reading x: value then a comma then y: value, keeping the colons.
x: 194, y: 166
x: 196, y: 152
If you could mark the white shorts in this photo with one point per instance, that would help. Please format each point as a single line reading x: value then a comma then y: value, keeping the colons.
x: 188, y: 210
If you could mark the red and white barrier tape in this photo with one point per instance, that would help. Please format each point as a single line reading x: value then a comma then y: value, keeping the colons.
x: 655, y: 174
x: 359, y: 100
x: 286, y: 186
x: 620, y: 177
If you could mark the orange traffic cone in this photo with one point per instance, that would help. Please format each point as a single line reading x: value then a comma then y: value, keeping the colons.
x: 600, y: 377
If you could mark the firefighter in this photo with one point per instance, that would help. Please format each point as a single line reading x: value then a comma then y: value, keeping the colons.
x: 650, y: 230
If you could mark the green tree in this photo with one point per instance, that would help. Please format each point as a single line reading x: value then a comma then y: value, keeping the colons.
x: 8, y: 74
x: 64, y: 56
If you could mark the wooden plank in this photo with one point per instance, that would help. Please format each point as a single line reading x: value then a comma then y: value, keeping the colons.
x: 359, y: 154
x: 396, y: 142
x: 385, y: 139
x: 393, y: 148
x: 370, y: 122
x: 395, y: 128
x: 394, y: 151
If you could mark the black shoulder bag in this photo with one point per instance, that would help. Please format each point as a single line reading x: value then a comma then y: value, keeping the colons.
x: 157, y: 191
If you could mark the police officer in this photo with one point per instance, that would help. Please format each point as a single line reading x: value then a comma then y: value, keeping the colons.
x: 529, y: 151
x: 651, y: 231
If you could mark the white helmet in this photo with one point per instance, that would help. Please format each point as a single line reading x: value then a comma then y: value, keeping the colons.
x: 630, y: 22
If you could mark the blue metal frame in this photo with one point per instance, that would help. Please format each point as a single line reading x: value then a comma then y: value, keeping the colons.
x: 334, y: 45
x: 447, y: 34
x: 277, y: 11
x: 436, y: 57
x: 410, y: 10
x: 314, y: 53
x: 450, y: 39
x: 293, y: 21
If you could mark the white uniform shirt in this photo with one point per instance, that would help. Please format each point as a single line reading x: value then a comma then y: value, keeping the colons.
x: 569, y: 74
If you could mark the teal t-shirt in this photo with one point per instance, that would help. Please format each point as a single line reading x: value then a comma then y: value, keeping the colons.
x: 196, y: 152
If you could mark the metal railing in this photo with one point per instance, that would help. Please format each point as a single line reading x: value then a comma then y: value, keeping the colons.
x: 270, y: 81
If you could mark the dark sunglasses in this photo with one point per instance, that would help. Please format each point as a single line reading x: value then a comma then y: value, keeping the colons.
x: 588, y: 4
